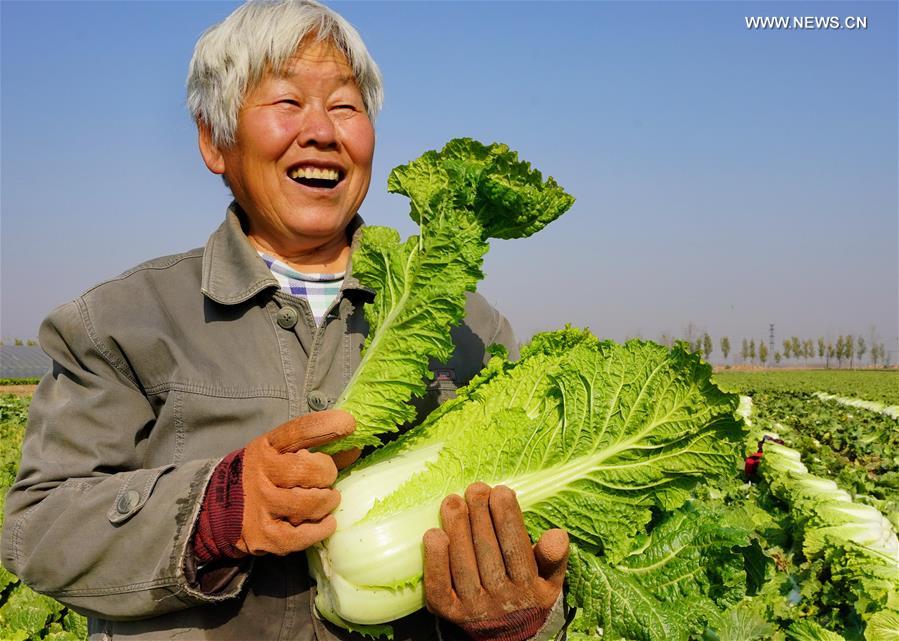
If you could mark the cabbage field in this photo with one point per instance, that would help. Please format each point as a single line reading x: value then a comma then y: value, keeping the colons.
x: 826, y: 559
x: 804, y: 550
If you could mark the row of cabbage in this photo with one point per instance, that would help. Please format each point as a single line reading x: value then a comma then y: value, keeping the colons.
x: 851, y: 543
x: 824, y: 562
x: 856, y: 447
x: 872, y: 406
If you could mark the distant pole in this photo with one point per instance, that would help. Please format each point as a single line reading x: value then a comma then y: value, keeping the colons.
x: 771, y: 339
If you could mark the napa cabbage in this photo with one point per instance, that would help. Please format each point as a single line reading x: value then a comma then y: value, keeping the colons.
x: 595, y: 437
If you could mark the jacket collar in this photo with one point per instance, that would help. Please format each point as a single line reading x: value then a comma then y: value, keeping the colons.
x: 234, y: 273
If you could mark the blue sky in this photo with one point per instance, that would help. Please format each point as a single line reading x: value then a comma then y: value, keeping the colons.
x: 725, y: 177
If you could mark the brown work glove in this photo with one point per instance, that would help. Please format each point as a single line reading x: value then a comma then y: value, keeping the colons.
x: 222, y: 516
x: 481, y: 572
x: 288, y: 498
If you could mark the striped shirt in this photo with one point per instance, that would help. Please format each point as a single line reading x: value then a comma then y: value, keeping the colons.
x: 319, y: 290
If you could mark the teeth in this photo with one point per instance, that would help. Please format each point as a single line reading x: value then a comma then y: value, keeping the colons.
x: 315, y: 172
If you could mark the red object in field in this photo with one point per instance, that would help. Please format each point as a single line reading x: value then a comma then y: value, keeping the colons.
x: 751, y: 468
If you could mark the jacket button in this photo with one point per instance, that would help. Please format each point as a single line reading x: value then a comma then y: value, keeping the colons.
x: 317, y: 400
x: 287, y: 317
x: 127, y: 502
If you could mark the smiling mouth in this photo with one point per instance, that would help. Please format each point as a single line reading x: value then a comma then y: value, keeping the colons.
x: 316, y: 177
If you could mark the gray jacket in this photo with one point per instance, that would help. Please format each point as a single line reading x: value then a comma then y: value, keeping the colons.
x: 156, y: 375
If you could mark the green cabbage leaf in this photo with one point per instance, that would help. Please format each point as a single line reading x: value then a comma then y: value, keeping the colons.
x: 687, y: 572
x: 811, y: 631
x: 883, y: 626
x: 460, y: 197
x: 746, y: 621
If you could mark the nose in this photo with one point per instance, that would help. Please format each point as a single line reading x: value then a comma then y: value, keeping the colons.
x: 317, y: 128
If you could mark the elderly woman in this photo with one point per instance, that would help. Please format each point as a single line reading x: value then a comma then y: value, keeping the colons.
x: 161, y: 491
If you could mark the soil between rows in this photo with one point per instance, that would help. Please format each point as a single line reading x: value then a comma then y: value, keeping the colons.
x: 18, y: 390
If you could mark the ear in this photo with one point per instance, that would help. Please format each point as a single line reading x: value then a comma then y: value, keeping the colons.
x: 213, y: 158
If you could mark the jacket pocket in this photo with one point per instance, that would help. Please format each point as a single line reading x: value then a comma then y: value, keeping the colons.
x: 134, y: 493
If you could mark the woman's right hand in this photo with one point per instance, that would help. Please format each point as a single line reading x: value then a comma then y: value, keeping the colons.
x: 288, y: 498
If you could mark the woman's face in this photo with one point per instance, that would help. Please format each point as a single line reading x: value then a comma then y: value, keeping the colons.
x: 301, y: 163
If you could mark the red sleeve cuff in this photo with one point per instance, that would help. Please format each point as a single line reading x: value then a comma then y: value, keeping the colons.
x: 221, y: 516
x: 515, y: 626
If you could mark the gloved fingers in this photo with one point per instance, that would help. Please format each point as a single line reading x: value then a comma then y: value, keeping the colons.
x: 284, y: 538
x: 300, y: 469
x: 439, y: 596
x: 346, y: 457
x: 298, y: 505
x: 551, y: 553
x: 491, y: 567
x: 311, y: 430
x: 512, y: 535
x: 463, y: 563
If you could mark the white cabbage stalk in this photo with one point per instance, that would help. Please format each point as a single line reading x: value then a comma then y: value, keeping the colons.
x: 818, y: 484
x: 823, y: 487
x: 784, y: 460
x: 786, y: 465
x: 375, y: 554
x: 862, y: 525
x: 782, y: 450
x: 744, y: 409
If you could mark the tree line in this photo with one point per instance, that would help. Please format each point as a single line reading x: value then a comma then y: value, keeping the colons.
x: 846, y: 350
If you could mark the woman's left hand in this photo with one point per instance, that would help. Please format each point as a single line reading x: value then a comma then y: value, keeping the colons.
x: 481, y: 571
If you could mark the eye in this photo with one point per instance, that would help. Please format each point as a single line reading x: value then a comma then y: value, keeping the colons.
x: 345, y: 110
x: 289, y: 101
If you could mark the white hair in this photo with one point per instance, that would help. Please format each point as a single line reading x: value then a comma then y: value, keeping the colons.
x: 231, y: 57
